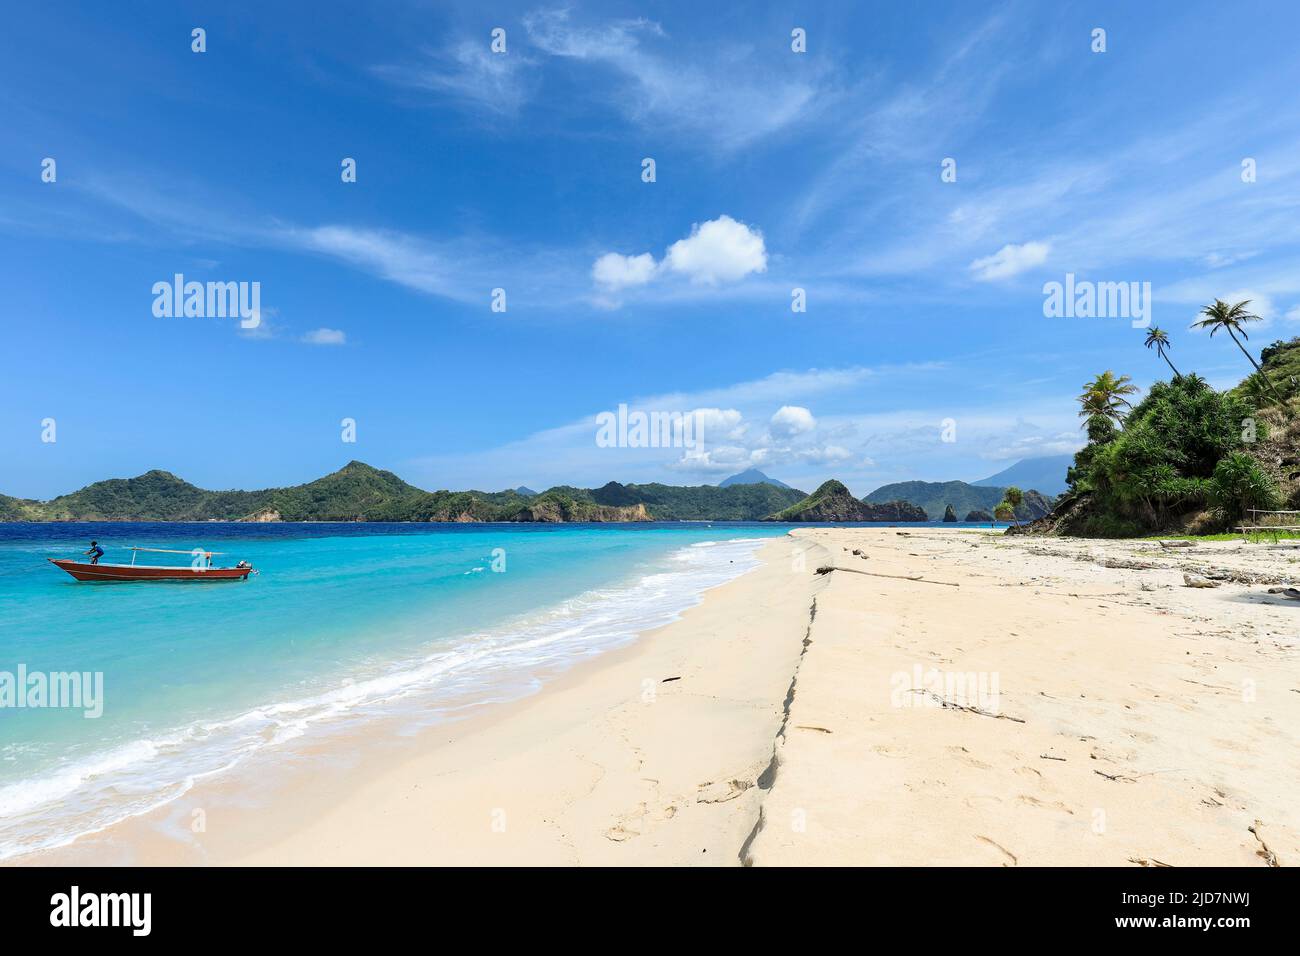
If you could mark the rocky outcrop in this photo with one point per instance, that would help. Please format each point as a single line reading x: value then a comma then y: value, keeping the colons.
x: 949, y: 514
x: 832, y: 502
x: 979, y: 516
x: 557, y: 510
x: 263, y: 516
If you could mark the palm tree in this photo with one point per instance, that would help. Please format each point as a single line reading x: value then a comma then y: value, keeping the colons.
x: 1160, y: 339
x: 1220, y: 315
x: 1103, y: 397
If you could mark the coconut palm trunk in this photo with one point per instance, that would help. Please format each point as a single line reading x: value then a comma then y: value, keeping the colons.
x: 1271, y: 387
x: 1177, y: 374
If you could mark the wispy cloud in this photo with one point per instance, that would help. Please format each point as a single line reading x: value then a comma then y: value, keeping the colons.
x: 728, y: 101
x: 470, y: 74
x: 324, y: 336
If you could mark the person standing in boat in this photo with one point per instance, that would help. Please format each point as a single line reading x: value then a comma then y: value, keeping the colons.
x: 95, y: 552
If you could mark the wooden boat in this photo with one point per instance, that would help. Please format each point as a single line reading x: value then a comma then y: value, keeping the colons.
x: 200, y: 570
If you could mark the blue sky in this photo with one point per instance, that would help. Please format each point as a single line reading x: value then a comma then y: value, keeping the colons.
x: 522, y: 170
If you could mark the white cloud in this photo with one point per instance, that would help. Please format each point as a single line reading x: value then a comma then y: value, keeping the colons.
x: 717, y: 251
x: 323, y: 336
x: 791, y: 420
x: 717, y: 422
x: 1010, y: 260
x: 1035, y: 445
x: 615, y: 271
x: 825, y: 455
x: 720, y: 250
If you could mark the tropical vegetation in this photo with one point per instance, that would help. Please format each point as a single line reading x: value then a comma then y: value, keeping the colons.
x: 1186, y: 457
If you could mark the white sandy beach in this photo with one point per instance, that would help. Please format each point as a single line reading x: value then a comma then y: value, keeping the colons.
x: 1134, y: 722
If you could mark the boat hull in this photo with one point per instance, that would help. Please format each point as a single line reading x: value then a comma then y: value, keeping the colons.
x: 129, y: 572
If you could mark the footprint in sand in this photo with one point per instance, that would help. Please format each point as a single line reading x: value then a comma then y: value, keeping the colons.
x: 962, y: 755
x: 1035, y: 802
x: 721, y: 792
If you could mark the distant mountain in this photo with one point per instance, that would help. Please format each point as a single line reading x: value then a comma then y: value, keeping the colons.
x: 358, y: 492
x: 935, y: 497
x: 1046, y: 475
x: 751, y: 477
x: 524, y: 491
x: 832, y: 502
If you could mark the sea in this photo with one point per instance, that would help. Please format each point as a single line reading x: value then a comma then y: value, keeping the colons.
x: 177, y: 682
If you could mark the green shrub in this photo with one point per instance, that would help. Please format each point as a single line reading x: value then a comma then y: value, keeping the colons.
x: 1239, y: 484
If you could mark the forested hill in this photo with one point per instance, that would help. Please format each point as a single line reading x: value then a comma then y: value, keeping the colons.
x: 359, y: 492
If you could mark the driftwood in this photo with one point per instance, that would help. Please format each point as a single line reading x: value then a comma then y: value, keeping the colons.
x: 1177, y: 544
x: 1127, y: 564
x: 827, y: 569
x: 1266, y: 854
x: 965, y: 708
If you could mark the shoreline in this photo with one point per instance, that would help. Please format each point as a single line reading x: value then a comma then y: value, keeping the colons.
x: 790, y: 719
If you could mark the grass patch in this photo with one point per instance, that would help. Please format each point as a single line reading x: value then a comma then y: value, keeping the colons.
x: 1256, y: 537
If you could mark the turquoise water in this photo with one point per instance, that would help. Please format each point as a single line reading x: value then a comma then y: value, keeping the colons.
x: 343, y: 621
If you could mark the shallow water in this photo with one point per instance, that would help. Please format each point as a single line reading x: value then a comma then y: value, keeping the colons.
x: 342, y: 621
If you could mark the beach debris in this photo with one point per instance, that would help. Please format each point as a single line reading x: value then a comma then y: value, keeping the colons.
x: 1177, y: 544
x: 966, y: 708
x: 810, y: 727
x: 1126, y: 564
x: 669, y: 679
x: 1116, y: 777
x: 1143, y: 861
x: 1050, y: 757
x: 1197, y: 581
x: 1269, y: 857
x: 857, y: 551
x: 827, y: 569
x: 1292, y: 593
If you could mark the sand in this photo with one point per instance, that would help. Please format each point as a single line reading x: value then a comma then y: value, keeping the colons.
x: 1049, y: 710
